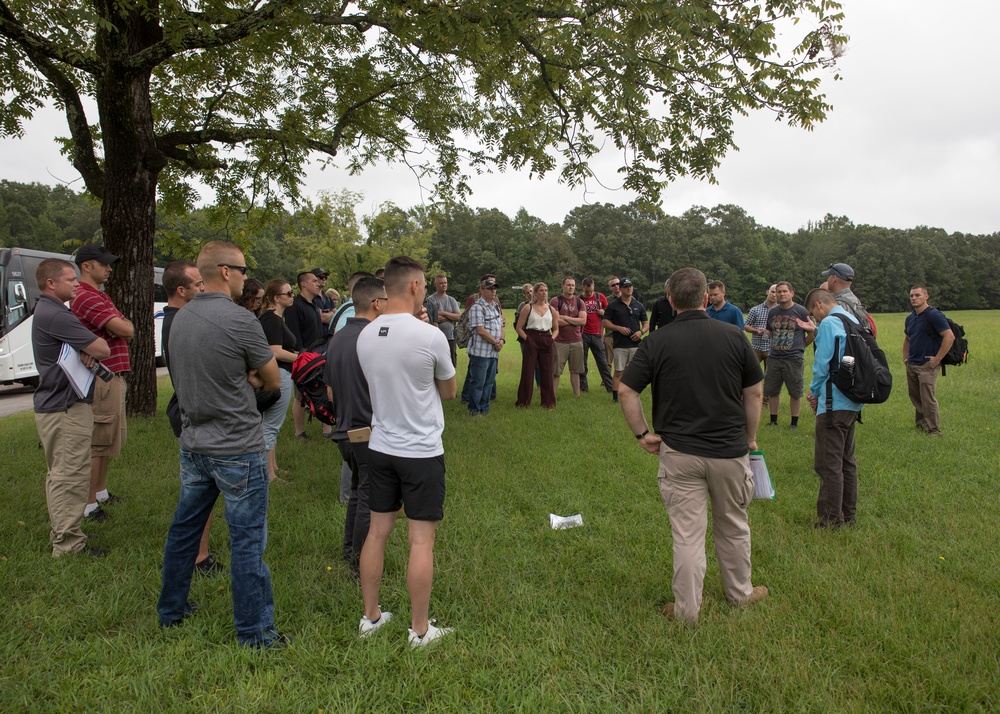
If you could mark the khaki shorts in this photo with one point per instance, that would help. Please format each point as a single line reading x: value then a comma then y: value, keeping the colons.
x: 109, y: 417
x: 624, y: 355
x: 567, y: 351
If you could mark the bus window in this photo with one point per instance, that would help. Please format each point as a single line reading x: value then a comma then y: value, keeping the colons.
x: 17, y: 302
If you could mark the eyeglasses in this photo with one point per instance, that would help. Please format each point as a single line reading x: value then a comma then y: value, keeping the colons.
x: 242, y: 268
x: 375, y: 300
x: 613, y: 285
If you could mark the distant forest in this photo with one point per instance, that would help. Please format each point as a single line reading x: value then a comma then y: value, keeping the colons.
x: 596, y: 240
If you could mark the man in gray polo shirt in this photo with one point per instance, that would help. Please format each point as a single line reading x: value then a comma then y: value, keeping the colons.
x: 218, y: 354
x: 63, y: 418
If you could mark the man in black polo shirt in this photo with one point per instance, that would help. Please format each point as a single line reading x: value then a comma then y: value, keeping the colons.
x: 706, y: 405
x: 63, y: 418
x: 348, y: 390
x: 627, y: 321
x: 303, y: 319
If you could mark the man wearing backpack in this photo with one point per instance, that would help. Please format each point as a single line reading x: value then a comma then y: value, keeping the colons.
x: 833, y: 456
x: 928, y: 339
x: 839, y: 280
x: 569, y: 341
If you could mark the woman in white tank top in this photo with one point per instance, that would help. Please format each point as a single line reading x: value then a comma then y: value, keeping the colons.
x: 536, y: 325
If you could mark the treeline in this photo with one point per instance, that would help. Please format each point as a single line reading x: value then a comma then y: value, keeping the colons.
x: 596, y: 240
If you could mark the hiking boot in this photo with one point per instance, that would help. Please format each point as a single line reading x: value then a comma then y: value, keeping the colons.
x: 758, y: 594
x: 112, y: 498
x: 433, y: 633
x: 771, y: 425
x: 367, y: 628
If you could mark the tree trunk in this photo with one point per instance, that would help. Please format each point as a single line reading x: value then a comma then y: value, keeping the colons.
x: 128, y: 218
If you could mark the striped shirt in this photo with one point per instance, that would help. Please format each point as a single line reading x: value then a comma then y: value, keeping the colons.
x: 95, y: 310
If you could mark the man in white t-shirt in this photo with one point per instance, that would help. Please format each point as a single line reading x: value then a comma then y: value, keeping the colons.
x: 408, y: 368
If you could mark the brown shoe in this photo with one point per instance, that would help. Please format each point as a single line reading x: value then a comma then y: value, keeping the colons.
x: 668, y: 611
x: 758, y: 594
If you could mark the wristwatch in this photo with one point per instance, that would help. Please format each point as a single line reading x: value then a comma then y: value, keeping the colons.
x: 639, y: 436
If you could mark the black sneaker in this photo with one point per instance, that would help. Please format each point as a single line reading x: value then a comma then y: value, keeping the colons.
x: 771, y: 424
x: 98, y: 515
x: 209, y: 567
x: 112, y: 498
x: 189, y: 609
x: 273, y: 641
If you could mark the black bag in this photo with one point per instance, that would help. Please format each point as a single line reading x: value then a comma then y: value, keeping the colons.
x: 959, y: 352
x: 307, y: 374
x: 870, y: 382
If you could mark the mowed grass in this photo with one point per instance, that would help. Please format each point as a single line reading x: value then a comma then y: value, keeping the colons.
x: 901, y: 613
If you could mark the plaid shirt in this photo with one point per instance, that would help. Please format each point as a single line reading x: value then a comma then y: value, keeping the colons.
x: 488, y: 316
x: 95, y: 310
x: 757, y: 317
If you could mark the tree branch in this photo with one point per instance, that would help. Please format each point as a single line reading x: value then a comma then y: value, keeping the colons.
x: 37, y: 46
x: 171, y: 142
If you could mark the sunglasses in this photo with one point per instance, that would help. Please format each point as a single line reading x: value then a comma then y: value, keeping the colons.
x: 613, y: 285
x: 288, y: 294
x: 242, y: 268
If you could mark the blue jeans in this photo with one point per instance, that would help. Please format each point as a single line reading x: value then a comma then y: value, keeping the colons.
x: 242, y: 480
x: 274, y: 417
x: 482, y: 379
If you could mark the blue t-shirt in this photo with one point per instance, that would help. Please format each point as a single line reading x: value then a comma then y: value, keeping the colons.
x: 922, y: 344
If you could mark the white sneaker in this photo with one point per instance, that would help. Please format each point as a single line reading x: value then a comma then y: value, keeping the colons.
x: 432, y: 634
x: 367, y: 628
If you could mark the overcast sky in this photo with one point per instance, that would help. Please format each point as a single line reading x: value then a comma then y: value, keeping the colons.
x: 913, y: 139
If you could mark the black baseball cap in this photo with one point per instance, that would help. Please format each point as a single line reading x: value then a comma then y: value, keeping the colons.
x: 92, y: 251
x: 626, y: 283
x: 319, y: 272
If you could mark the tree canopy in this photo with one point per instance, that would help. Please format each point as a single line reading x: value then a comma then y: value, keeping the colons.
x: 239, y: 95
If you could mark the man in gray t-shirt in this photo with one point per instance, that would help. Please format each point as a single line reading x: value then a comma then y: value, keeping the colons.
x: 448, y: 313
x: 218, y: 355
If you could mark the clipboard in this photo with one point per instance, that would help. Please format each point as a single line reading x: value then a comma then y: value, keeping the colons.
x: 762, y: 486
x: 80, y: 376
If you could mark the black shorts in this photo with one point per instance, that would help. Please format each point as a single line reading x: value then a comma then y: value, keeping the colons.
x: 415, y: 484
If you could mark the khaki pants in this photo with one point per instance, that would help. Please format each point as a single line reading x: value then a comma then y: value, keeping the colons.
x: 65, y: 436
x: 920, y: 383
x: 687, y: 484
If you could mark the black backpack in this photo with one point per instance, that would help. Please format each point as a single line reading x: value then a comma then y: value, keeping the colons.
x: 308, y: 376
x: 959, y: 352
x: 870, y: 382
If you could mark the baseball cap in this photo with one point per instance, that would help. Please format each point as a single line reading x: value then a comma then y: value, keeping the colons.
x: 92, y: 251
x: 841, y: 270
x: 489, y: 283
x: 319, y: 272
x: 626, y: 283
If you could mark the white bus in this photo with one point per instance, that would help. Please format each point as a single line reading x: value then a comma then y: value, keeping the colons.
x: 18, y: 294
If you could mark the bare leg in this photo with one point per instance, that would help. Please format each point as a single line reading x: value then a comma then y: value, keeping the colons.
x: 373, y: 560
x: 98, y: 476
x: 272, y: 465
x: 795, y: 404
x: 555, y: 384
x: 420, y: 572
x: 616, y: 380
x: 298, y: 415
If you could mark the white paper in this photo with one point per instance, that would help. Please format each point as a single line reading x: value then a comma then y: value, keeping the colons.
x: 762, y: 487
x: 80, y: 377
x: 563, y: 522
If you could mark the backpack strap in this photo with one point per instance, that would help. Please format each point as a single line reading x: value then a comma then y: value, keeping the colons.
x: 832, y: 369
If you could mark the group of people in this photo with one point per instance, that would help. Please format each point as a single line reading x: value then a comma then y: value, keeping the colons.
x: 390, y: 361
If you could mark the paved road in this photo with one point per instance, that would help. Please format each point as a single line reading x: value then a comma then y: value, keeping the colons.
x: 15, y: 399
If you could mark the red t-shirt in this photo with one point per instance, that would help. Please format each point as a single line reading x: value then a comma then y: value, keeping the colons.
x: 570, y: 308
x: 595, y: 302
x: 95, y: 310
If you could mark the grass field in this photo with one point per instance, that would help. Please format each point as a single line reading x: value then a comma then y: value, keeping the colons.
x: 901, y: 613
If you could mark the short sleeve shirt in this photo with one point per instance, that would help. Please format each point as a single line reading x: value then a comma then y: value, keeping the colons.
x: 95, y: 310
x: 727, y: 313
x: 698, y: 368
x: 445, y: 303
x: 574, y: 307
x: 488, y: 316
x: 788, y: 340
x: 53, y: 325
x: 757, y: 318
x: 595, y: 302
x: 401, y: 358
x: 276, y: 332
x: 631, y: 316
x: 213, y: 343
x: 923, y: 345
